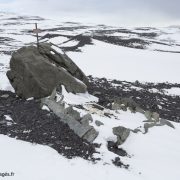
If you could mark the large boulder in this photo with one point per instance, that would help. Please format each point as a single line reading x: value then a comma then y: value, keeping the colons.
x: 35, y: 72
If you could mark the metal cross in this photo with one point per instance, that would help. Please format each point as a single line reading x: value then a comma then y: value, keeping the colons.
x: 37, y: 31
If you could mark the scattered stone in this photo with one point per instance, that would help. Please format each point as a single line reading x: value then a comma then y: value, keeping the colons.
x: 124, y: 103
x: 166, y: 105
x: 136, y: 130
x: 98, y: 123
x: 117, y: 162
x: 122, y: 134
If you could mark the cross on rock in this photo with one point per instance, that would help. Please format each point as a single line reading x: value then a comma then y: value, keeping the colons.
x: 37, y: 31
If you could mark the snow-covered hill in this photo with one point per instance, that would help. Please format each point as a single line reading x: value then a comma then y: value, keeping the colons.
x: 144, y: 54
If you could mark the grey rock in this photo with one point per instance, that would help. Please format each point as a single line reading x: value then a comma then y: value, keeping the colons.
x: 140, y: 110
x: 124, y: 103
x: 116, y: 106
x: 5, y: 96
x: 150, y: 125
x: 148, y: 115
x: 155, y: 116
x: 166, y: 122
x: 95, y: 93
x: 91, y: 135
x: 71, y: 112
x: 132, y: 109
x: 36, y: 72
x: 136, y: 130
x: 84, y: 131
x: 98, y: 123
x: 122, y: 134
x: 86, y: 119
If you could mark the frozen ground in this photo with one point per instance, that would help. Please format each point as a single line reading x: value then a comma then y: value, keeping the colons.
x: 151, y: 156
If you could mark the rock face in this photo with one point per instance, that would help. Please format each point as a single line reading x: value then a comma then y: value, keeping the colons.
x: 35, y: 72
x: 122, y: 134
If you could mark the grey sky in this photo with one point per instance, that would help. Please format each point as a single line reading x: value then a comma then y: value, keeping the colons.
x: 147, y: 12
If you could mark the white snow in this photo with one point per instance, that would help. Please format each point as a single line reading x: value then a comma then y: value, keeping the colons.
x: 173, y: 91
x: 153, y: 156
x: 77, y: 99
x: 115, y: 62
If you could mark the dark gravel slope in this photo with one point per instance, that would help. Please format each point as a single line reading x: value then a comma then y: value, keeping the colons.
x: 34, y: 125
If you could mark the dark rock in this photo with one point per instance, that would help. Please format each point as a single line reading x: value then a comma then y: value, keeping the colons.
x: 113, y: 147
x: 117, y: 162
x: 98, y: 123
x: 166, y: 122
x: 35, y: 72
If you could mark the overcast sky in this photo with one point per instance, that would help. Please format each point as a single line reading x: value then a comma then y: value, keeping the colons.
x: 120, y: 12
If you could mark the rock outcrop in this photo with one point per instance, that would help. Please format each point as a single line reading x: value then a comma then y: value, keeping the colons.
x: 35, y: 72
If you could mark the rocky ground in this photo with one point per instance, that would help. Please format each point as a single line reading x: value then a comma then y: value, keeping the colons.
x: 30, y: 123
x: 150, y: 96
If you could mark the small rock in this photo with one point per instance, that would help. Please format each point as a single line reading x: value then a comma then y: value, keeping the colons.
x: 86, y: 119
x: 165, y: 122
x: 98, y: 123
x: 113, y: 147
x: 140, y: 110
x: 91, y: 135
x: 96, y: 93
x: 117, y: 162
x: 73, y: 113
x: 155, y: 116
x: 132, y: 109
x: 122, y: 134
x: 5, y: 96
x: 148, y: 115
